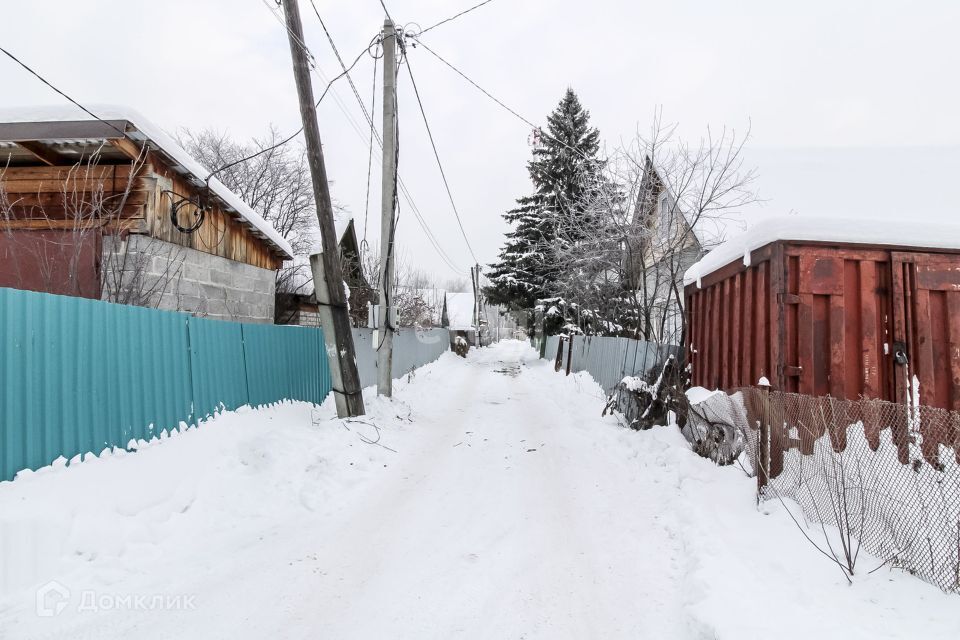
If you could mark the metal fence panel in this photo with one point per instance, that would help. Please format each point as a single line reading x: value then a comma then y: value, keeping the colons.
x: 610, y: 359
x: 80, y: 375
x: 217, y: 366
x: 366, y: 356
x: 412, y: 348
x: 285, y: 363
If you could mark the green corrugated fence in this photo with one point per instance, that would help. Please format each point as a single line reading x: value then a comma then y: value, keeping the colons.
x: 81, y: 375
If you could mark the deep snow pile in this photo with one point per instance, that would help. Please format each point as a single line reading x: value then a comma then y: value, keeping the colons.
x: 496, y: 502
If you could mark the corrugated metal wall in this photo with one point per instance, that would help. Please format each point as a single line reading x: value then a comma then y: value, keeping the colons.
x: 412, y: 348
x: 217, y: 366
x: 80, y: 375
x: 830, y: 320
x: 608, y: 359
x: 730, y: 325
x: 285, y: 362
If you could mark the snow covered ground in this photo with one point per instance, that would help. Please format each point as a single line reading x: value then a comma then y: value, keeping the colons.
x: 497, y: 503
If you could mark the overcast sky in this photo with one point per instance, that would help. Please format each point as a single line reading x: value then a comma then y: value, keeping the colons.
x: 853, y: 105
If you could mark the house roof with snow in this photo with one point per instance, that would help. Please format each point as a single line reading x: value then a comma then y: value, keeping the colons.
x: 67, y: 132
x: 895, y: 232
x: 460, y: 310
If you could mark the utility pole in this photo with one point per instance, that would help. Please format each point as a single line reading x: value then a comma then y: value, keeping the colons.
x: 389, y: 198
x: 327, y: 274
x: 475, y: 281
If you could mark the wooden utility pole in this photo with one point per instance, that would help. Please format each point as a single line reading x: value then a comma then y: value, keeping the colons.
x: 389, y: 198
x: 327, y: 274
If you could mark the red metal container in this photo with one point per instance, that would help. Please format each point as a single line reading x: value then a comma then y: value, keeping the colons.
x: 848, y: 320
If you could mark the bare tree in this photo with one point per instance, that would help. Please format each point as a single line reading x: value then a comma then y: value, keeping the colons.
x: 416, y: 298
x: 656, y: 206
x: 275, y: 183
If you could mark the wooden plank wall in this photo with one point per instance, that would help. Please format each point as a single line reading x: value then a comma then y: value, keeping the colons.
x: 221, y: 234
x: 51, y: 197
x: 70, y: 197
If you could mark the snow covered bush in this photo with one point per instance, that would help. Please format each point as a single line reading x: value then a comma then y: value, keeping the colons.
x: 461, y: 346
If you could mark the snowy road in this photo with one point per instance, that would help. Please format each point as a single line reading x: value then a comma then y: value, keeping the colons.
x: 500, y: 505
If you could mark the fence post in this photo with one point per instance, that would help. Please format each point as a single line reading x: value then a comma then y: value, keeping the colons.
x: 558, y: 361
x: 569, y: 353
x: 763, y: 447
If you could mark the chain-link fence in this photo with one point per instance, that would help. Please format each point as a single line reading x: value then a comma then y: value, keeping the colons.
x: 882, y: 475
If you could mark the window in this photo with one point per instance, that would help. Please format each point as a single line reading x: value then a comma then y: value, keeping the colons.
x: 663, y: 227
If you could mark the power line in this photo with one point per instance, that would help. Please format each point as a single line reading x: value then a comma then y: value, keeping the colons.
x: 452, y: 18
x: 436, y: 155
x: 376, y: 134
x: 500, y: 102
x: 49, y: 84
x: 294, y: 134
x: 373, y: 109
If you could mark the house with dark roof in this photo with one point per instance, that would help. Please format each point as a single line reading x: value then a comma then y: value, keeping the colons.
x: 297, y: 300
x: 113, y: 208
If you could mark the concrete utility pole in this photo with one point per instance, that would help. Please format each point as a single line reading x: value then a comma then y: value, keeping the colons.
x: 475, y: 281
x: 327, y: 275
x: 389, y: 197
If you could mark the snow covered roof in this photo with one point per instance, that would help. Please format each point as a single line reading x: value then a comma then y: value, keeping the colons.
x: 145, y: 130
x: 901, y: 232
x: 460, y: 310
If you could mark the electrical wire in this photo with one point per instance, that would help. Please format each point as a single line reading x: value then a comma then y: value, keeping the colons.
x: 436, y: 155
x: 74, y: 102
x: 376, y: 134
x: 498, y: 101
x: 295, y: 133
x: 452, y: 18
x: 373, y: 108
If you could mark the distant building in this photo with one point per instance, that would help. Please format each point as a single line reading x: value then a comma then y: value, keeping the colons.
x: 664, y: 242
x: 116, y: 210
x: 297, y: 300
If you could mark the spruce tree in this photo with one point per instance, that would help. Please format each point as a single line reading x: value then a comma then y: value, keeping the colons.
x: 563, y: 168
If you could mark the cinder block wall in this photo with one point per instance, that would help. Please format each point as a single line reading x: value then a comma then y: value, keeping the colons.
x: 148, y: 272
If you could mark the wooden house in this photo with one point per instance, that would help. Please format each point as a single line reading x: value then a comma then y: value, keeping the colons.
x: 115, y: 209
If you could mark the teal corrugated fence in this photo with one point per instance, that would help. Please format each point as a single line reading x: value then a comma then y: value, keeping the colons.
x: 285, y: 362
x: 217, y: 366
x: 80, y: 375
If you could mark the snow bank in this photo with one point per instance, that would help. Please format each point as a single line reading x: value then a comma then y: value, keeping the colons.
x: 493, y: 502
x: 906, y: 232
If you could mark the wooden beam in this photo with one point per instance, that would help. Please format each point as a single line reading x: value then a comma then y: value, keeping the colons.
x: 44, y: 153
x: 127, y: 147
